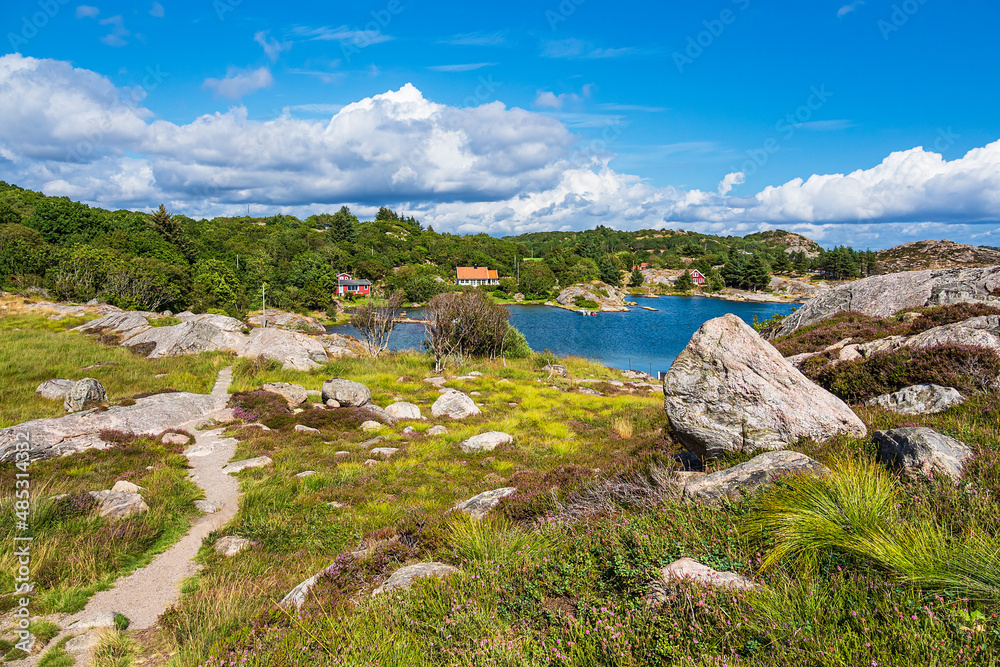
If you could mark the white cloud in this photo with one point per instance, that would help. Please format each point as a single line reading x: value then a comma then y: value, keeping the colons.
x: 344, y: 34
x: 272, y: 47
x: 86, y: 11
x: 577, y: 48
x: 118, y: 31
x: 548, y: 99
x: 730, y: 180
x: 238, y: 82
x: 847, y: 9
x: 70, y: 131
x: 157, y: 10
x: 467, y: 67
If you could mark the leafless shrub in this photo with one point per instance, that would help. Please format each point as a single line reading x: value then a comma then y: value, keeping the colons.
x: 635, y: 491
x: 375, y: 321
x: 465, y: 324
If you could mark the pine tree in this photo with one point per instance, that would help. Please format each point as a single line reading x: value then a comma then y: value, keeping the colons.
x: 636, y: 278
x: 343, y: 226
x: 684, y: 282
x: 169, y: 228
x: 610, y: 273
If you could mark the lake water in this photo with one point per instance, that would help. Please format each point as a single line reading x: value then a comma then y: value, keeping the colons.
x: 640, y: 339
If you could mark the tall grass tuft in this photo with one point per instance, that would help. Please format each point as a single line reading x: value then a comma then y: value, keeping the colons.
x: 854, y: 511
x: 494, y: 540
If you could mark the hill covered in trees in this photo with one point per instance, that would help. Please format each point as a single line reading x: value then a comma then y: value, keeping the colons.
x: 161, y: 260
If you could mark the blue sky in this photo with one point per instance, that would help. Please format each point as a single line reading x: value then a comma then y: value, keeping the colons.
x: 517, y: 116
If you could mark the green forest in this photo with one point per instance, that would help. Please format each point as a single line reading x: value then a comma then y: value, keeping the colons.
x: 165, y: 260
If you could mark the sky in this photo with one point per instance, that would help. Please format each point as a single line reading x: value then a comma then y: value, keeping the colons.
x: 867, y: 123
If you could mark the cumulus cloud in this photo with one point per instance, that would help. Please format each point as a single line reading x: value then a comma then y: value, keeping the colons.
x: 70, y: 131
x: 548, y: 99
x: 239, y: 82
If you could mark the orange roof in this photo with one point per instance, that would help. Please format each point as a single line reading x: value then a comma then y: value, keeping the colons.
x: 478, y: 273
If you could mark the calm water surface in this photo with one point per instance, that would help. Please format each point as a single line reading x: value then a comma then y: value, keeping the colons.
x: 641, y: 339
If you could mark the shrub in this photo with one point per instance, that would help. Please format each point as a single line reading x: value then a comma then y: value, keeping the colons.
x: 966, y: 368
x: 252, y: 406
x: 516, y: 346
x: 586, y: 303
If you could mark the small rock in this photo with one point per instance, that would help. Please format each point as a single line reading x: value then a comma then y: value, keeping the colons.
x: 485, y: 442
x: 115, y: 505
x: 920, y: 399
x: 294, y: 394
x: 688, y: 569
x: 371, y: 463
x: 206, y: 506
x: 99, y: 619
x: 380, y: 414
x: 330, y: 403
x: 176, y: 439
x: 306, y: 473
x: 438, y: 381
x: 384, y: 452
x: 337, y: 505
x: 409, y: 430
x: 437, y: 430
x: 370, y: 426
x: 306, y: 429
x: 404, y: 410
x: 616, y: 383
x: 478, y: 506
x: 555, y: 369
x: 122, y: 486
x: 87, y: 390
x: 55, y: 389
x: 749, y: 477
x: 347, y: 393
x: 587, y: 391
x: 237, y: 466
x: 454, y: 404
x: 923, y: 450
x: 474, y: 393
x: 341, y: 454
x: 231, y: 545
x: 404, y: 577
x: 84, y: 646
x: 475, y: 374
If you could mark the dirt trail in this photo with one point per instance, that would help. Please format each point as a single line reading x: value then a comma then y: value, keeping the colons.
x: 146, y: 593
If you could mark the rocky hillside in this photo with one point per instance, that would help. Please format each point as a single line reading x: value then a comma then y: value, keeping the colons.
x: 789, y: 242
x: 930, y: 254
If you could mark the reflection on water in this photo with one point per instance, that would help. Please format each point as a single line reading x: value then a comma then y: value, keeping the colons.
x: 640, y: 339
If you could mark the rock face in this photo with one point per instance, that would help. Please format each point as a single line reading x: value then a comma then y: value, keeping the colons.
x: 87, y: 390
x: 478, y: 506
x: 347, y: 393
x: 294, y: 350
x: 920, y: 399
x: 283, y: 320
x: 729, y: 390
x: 201, y: 333
x: 981, y: 331
x: 404, y: 410
x: 747, y: 478
x: 796, y: 288
x: 76, y: 432
x: 338, y: 345
x: 607, y: 297
x: 118, y: 505
x: 404, y: 577
x: 231, y: 545
x: 55, y: 390
x: 294, y: 394
x: 485, y: 442
x: 884, y: 295
x: 454, y: 404
x: 934, y: 254
x: 923, y: 450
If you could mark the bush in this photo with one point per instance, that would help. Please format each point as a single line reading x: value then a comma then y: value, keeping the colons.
x: 260, y: 405
x: 586, y: 303
x: 966, y: 368
x: 516, y: 346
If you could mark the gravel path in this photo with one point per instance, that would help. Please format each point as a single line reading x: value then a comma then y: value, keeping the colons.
x: 146, y: 593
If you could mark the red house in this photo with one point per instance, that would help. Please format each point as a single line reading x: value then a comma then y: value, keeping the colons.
x: 697, y: 276
x: 347, y: 285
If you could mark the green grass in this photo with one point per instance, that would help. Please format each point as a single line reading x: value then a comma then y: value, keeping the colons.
x: 57, y: 656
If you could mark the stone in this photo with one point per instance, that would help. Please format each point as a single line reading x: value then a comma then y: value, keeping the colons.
x: 409, y: 430
x: 370, y: 426
x: 206, y: 506
x: 306, y: 429
x: 123, y: 486
x: 404, y: 577
x: 983, y: 331
x: 454, y: 404
x: 883, y: 295
x: 341, y: 454
x: 587, y: 391
x: 690, y: 570
x: 485, y: 442
x: 306, y: 473
x: 237, y: 466
x: 175, y: 439
x: 347, y: 393
x: 371, y: 463
x: 98, y: 619
x: 384, y: 452
x: 294, y: 394
x: 731, y: 391
x: 437, y: 430
x: 55, y: 390
x: 297, y: 596
x: 284, y: 320
x: 436, y: 381
x: 923, y: 451
x: 84, y: 645
x: 372, y: 442
x: 404, y: 410
x: 747, y: 478
x: 338, y: 345
x: 295, y: 351
x: 124, y: 324
x: 116, y: 505
x: 201, y: 333
x: 919, y: 399
x: 84, y: 392
x: 379, y: 413
x: 232, y: 545
x: 478, y: 506
x: 330, y: 403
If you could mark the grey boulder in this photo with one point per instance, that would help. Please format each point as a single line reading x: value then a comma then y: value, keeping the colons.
x: 118, y: 505
x: 55, y: 390
x: 295, y: 351
x: 923, y: 450
x: 404, y: 410
x: 691, y: 571
x: 347, y: 393
x: 747, y: 478
x: 404, y: 577
x: 294, y: 394
x: 478, y: 506
x: 731, y: 391
x: 232, y: 545
x: 485, y: 442
x: 919, y: 399
x: 201, y: 333
x: 454, y: 404
x: 87, y: 390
